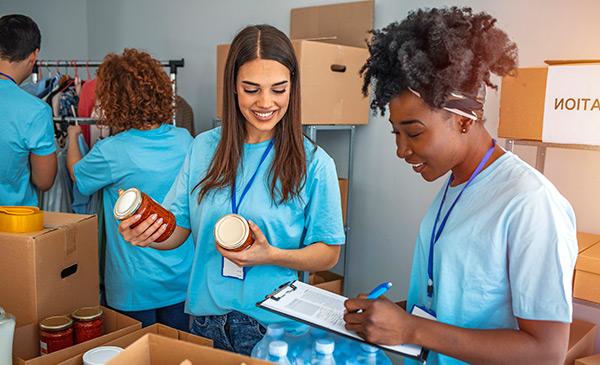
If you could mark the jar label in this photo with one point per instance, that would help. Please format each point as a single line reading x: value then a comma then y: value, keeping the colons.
x: 43, y: 348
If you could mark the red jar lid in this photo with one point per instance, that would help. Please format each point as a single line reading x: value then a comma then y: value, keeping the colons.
x: 87, y: 313
x: 56, y: 323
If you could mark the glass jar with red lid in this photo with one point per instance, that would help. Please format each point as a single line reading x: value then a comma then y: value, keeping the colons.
x: 133, y: 201
x: 88, y: 324
x: 56, y: 333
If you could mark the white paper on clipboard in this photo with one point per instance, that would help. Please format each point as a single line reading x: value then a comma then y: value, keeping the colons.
x: 321, y: 308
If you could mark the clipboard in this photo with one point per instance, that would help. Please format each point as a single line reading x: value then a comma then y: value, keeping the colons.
x: 320, y: 308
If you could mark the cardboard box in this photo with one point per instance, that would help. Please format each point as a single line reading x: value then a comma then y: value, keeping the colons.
x: 153, y: 349
x: 26, y: 347
x: 587, y: 275
x: 586, y: 240
x: 328, y: 280
x: 329, y: 80
x: 581, y: 340
x: 554, y: 104
x: 157, y: 329
x: 344, y: 197
x: 346, y: 24
x: 50, y: 271
x: 590, y: 360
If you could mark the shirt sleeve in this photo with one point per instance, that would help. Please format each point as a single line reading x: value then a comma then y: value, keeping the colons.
x: 323, y: 212
x: 93, y: 172
x: 177, y: 200
x: 542, y: 249
x: 40, y: 133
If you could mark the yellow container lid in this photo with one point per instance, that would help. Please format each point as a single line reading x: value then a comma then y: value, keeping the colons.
x: 21, y: 219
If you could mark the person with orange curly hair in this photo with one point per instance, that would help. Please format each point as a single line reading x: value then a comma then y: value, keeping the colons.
x: 134, y: 99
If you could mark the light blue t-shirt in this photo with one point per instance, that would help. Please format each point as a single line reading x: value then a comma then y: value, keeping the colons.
x: 508, y: 250
x: 317, y: 217
x: 138, y: 278
x: 27, y: 127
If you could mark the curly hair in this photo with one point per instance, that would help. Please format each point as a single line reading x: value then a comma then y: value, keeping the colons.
x: 133, y: 90
x: 436, y: 52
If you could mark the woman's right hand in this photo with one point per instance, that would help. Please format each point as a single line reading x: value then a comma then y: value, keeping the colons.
x: 143, y: 234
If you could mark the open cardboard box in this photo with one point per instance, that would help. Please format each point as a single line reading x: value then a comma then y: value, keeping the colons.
x: 590, y: 360
x: 329, y: 42
x: 50, y: 271
x: 157, y: 329
x: 581, y: 340
x: 587, y: 274
x: 328, y: 280
x: 555, y: 103
x: 26, y: 347
x: 153, y: 349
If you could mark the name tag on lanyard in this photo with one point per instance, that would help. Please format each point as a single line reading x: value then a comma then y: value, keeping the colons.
x: 228, y: 268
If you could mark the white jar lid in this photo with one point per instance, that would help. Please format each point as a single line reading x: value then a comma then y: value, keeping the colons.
x: 231, y: 231
x: 127, y: 203
x: 101, y: 355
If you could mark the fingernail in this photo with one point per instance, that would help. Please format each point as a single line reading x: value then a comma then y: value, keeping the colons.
x: 250, y: 222
x: 137, y: 216
x: 154, y: 216
x: 160, y: 221
x: 164, y: 226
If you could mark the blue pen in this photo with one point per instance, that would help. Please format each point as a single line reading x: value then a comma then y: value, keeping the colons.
x: 379, y: 290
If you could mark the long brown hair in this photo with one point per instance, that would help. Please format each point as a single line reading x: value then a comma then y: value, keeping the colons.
x: 133, y: 90
x: 289, y: 165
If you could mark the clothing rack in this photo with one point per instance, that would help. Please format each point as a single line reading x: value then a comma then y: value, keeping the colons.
x: 173, y: 65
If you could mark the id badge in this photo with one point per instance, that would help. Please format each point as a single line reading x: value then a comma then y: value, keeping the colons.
x: 231, y: 270
x: 423, y: 312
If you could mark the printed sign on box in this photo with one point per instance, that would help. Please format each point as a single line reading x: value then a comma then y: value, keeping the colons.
x: 572, y: 107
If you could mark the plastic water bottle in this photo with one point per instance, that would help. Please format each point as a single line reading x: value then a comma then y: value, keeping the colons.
x: 278, y: 352
x: 323, y: 354
x: 300, y: 344
x: 261, y: 349
x: 370, y: 355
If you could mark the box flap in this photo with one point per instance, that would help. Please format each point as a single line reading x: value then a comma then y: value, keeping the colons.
x: 589, y: 260
x: 569, y: 62
x: 346, y: 24
x: 586, y: 240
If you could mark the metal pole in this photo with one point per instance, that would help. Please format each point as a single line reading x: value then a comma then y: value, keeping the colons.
x: 174, y: 87
x: 348, y: 205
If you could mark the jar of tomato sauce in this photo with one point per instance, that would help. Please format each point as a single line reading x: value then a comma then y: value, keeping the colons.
x: 88, y: 323
x: 132, y: 201
x: 56, y: 333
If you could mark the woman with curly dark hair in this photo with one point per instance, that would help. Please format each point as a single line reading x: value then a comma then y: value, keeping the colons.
x: 134, y: 99
x: 496, y: 250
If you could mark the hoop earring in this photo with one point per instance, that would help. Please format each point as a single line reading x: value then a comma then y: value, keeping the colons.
x: 464, y: 130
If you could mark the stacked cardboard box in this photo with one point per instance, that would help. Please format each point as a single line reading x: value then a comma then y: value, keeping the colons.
x: 581, y: 341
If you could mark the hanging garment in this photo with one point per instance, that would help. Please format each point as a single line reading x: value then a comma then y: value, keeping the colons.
x: 184, y: 115
x: 42, y: 87
x: 84, y: 204
x: 58, y: 198
x: 87, y: 101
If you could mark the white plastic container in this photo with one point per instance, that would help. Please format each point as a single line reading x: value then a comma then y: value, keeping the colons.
x: 7, y: 331
x: 100, y: 355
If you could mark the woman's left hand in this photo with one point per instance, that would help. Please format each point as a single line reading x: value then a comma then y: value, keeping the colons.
x: 259, y: 253
x: 381, y: 321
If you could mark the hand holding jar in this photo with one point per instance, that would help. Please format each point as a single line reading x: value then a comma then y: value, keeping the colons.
x: 258, y: 253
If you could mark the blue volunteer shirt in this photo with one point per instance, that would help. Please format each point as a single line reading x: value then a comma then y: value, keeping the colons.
x: 27, y: 127
x: 508, y: 250
x: 138, y: 278
x: 316, y: 217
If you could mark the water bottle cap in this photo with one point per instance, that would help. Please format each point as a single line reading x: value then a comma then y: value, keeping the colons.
x: 325, y: 346
x: 275, y: 330
x: 367, y: 348
x: 278, y: 348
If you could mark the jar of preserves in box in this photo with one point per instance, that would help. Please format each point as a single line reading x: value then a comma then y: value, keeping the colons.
x: 233, y: 233
x: 56, y: 333
x: 132, y: 201
x: 88, y: 324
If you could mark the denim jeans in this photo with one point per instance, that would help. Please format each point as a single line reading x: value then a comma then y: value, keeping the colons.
x: 172, y: 316
x: 234, y: 331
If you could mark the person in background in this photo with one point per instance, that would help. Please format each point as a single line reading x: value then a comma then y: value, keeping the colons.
x: 496, y: 250
x: 27, y: 140
x: 134, y: 98
x: 292, y: 202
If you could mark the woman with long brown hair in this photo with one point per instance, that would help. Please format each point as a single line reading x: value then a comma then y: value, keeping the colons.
x: 134, y: 97
x: 259, y: 165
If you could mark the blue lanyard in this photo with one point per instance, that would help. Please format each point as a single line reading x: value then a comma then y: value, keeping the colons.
x: 235, y: 206
x: 435, y: 236
x: 8, y: 77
